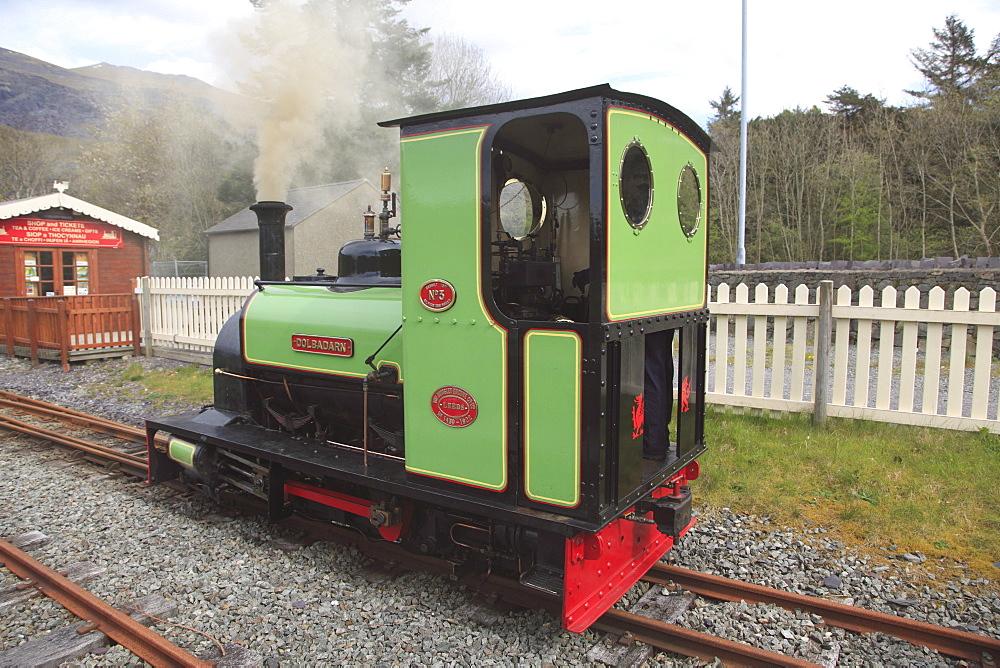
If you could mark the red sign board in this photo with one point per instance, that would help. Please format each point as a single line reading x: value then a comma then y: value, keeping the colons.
x: 327, y: 345
x: 437, y: 295
x: 454, y: 406
x: 38, y: 232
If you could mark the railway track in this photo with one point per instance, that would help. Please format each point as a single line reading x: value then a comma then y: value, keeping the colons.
x: 126, y: 452
x: 96, y: 614
x: 124, y: 456
x: 960, y: 644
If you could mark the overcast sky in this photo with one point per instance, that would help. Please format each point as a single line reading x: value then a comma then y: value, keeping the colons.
x: 684, y: 53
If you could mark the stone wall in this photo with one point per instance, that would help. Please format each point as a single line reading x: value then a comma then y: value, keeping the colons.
x: 938, y: 272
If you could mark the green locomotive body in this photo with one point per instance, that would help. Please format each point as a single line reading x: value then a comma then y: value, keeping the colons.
x: 484, y: 391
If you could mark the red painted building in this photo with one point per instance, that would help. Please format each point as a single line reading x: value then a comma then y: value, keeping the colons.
x: 56, y: 245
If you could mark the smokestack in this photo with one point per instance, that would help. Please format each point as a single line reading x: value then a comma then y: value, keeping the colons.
x: 271, y: 220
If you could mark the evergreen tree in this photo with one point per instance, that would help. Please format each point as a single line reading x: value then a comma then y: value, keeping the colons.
x: 950, y: 66
x: 331, y: 69
x: 848, y: 103
x: 988, y: 85
x: 723, y: 209
x: 725, y: 108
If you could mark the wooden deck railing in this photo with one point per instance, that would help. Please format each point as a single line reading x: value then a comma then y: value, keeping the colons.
x: 69, y: 327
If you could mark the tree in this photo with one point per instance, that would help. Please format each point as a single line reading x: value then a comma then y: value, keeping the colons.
x: 848, y: 103
x: 867, y: 180
x: 725, y: 108
x: 163, y: 165
x: 988, y: 85
x: 724, y: 128
x: 960, y: 176
x: 950, y: 66
x: 462, y: 76
x: 30, y: 162
x: 330, y: 69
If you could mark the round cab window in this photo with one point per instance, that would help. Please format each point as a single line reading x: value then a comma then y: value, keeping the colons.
x: 522, y: 209
x: 635, y: 185
x: 689, y: 200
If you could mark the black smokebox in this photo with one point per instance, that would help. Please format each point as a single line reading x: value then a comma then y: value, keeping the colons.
x: 271, y: 221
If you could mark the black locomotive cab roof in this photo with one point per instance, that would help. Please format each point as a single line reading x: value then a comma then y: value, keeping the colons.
x: 604, y: 91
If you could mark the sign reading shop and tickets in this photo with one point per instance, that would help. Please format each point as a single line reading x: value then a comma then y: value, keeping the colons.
x: 39, y: 232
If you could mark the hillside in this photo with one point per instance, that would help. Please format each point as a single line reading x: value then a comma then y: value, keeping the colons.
x: 36, y: 96
x: 241, y: 112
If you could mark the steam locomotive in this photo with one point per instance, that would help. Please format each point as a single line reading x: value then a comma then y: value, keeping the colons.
x: 498, y: 393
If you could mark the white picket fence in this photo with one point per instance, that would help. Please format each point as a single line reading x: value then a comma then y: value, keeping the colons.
x: 181, y: 317
x: 887, y: 362
x: 884, y: 361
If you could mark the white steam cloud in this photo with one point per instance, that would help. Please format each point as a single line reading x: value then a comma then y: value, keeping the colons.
x: 307, y: 62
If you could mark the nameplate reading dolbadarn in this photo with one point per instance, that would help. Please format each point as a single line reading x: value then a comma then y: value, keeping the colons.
x: 328, y: 345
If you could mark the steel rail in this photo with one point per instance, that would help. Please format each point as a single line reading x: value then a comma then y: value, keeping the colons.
x: 117, y: 625
x: 684, y: 641
x: 134, y: 462
x: 43, y: 409
x: 655, y: 633
x: 955, y: 643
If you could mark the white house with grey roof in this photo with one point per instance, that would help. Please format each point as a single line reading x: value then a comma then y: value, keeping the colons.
x: 322, y: 219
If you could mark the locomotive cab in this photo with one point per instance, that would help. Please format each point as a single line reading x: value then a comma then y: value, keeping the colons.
x: 567, y: 231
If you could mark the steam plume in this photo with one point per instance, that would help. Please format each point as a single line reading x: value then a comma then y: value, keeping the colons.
x: 307, y: 61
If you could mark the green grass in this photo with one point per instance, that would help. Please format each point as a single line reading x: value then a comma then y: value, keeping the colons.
x: 875, y: 484
x: 190, y: 384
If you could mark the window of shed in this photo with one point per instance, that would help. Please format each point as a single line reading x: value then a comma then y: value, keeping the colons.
x: 635, y: 185
x: 55, y: 272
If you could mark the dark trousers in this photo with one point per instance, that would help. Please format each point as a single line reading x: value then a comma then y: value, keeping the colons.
x: 658, y: 393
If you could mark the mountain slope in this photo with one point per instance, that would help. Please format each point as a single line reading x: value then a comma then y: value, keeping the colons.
x: 36, y: 96
x: 240, y: 111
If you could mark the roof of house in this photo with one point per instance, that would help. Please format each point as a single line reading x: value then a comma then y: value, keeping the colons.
x: 59, y: 199
x: 304, y: 202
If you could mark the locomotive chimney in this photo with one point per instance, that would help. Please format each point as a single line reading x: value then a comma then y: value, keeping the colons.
x: 271, y: 221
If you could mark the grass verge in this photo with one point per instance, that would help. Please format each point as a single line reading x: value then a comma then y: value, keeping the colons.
x: 875, y: 484
x: 188, y: 385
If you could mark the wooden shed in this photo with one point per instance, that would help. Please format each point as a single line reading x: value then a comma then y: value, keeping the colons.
x: 58, y: 245
x: 66, y: 271
x: 323, y: 218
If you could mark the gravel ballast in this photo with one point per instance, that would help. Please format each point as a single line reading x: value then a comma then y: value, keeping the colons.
x: 243, y: 581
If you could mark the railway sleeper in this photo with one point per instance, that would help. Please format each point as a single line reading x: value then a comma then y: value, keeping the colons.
x: 76, y: 640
